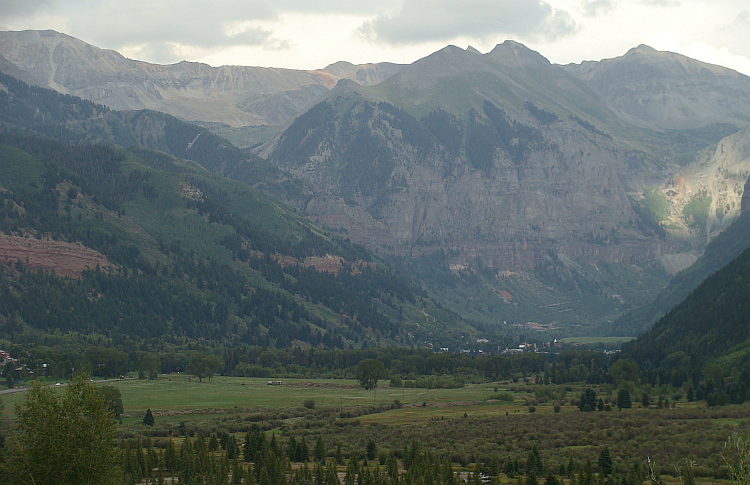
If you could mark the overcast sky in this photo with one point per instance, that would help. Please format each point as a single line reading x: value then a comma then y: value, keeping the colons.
x: 310, y: 34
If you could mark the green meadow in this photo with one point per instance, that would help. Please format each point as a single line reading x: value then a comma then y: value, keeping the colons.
x: 186, y: 395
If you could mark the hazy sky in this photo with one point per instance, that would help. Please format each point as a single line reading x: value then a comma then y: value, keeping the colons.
x: 310, y: 34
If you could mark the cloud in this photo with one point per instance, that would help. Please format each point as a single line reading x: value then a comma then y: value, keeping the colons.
x: 662, y: 3
x: 441, y: 20
x: 24, y: 8
x: 595, y: 8
x: 166, y: 29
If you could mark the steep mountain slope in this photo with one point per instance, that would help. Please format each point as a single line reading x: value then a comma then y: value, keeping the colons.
x: 709, y: 326
x: 71, y: 119
x: 232, y: 95
x: 173, y: 250
x: 532, y: 197
x: 530, y: 192
x: 718, y: 253
x: 513, y: 169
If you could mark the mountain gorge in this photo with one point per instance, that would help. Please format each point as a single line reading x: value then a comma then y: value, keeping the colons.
x: 514, y: 189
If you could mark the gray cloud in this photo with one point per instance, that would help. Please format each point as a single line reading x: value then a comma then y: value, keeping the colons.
x: 441, y: 20
x: 185, y: 22
x: 24, y: 8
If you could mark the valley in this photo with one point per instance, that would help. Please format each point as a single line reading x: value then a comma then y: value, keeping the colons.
x: 482, y: 266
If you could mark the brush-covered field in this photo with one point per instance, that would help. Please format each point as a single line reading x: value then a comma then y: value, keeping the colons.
x: 473, y: 424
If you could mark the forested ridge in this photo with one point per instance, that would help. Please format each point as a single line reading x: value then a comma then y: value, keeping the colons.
x: 187, y: 251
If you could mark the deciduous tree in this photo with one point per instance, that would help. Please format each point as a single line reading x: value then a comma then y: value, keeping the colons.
x: 368, y: 372
x: 62, y: 440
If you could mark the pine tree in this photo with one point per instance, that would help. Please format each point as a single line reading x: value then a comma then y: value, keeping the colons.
x: 148, y: 419
x: 605, y: 462
x: 320, y: 449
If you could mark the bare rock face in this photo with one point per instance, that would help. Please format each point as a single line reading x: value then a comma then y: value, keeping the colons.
x: 468, y: 164
x: 234, y: 95
x: 407, y: 194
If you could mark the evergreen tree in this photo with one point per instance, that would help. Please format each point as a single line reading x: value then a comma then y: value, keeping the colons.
x: 587, y: 401
x: 605, y: 462
x: 148, y: 419
x: 371, y: 450
x: 623, y: 399
x: 320, y: 449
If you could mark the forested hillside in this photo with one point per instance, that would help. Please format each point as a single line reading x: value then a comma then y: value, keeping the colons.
x: 706, y: 337
x: 71, y: 119
x: 718, y: 253
x: 190, y: 255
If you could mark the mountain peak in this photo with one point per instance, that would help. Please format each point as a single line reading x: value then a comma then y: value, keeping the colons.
x: 642, y: 49
x: 513, y: 52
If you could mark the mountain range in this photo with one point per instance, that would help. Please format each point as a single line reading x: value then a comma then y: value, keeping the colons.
x: 518, y: 190
x: 227, y: 96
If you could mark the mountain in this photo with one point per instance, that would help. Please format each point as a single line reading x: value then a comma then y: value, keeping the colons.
x: 137, y: 244
x: 544, y: 202
x: 708, y: 327
x: 718, y: 253
x: 231, y: 96
x: 666, y: 91
x: 523, y: 191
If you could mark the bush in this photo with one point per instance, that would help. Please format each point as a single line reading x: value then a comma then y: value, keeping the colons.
x: 309, y: 404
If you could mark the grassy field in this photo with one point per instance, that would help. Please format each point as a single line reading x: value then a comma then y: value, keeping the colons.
x: 186, y: 395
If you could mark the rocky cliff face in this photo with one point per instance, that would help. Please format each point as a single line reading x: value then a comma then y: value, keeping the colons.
x: 506, y: 163
x: 552, y: 187
x: 233, y: 95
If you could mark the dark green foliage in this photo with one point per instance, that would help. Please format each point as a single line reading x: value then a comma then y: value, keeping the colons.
x: 113, y: 398
x: 498, y: 131
x: 585, y: 124
x: 368, y: 372
x: 623, y: 399
x: 446, y: 128
x: 146, y: 295
x: 148, y: 419
x: 710, y: 322
x: 587, y: 401
x: 301, y: 139
x: 367, y: 160
x: 371, y: 451
x: 542, y: 115
x: 604, y: 462
x: 320, y: 449
x: 718, y: 253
